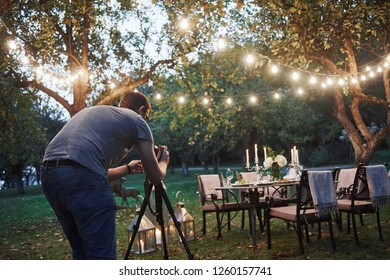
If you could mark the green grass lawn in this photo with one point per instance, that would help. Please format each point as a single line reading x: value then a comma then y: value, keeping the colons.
x: 29, y: 231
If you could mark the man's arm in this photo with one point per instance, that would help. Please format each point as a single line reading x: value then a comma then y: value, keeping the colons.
x: 155, y: 170
x: 135, y: 166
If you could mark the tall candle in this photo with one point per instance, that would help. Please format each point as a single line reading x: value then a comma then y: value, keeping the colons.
x: 265, y: 153
x: 256, y: 157
x: 292, y: 156
x: 247, y: 158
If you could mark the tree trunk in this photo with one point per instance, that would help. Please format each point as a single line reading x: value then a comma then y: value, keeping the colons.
x: 17, y: 178
x: 206, y: 167
x: 5, y: 6
x: 184, y: 168
x: 363, y: 141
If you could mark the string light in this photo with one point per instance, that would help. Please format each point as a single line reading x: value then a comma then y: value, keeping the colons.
x: 253, y: 99
x: 329, y: 81
x: 250, y: 58
x: 274, y: 69
x: 368, y: 70
x: 221, y: 43
x: 295, y: 76
x: 184, y: 24
x: 12, y: 45
x: 181, y: 99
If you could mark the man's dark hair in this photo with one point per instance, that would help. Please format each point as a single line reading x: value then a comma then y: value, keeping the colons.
x: 134, y: 100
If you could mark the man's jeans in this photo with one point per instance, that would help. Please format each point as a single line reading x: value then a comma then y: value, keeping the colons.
x: 85, y: 207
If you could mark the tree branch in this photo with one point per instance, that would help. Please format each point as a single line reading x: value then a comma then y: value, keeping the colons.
x: 130, y: 84
x: 49, y: 92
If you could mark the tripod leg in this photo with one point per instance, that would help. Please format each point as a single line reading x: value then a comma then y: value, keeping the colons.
x: 177, y: 224
x: 136, y: 227
x: 160, y: 218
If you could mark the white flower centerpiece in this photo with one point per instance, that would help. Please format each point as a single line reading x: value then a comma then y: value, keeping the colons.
x: 274, y: 163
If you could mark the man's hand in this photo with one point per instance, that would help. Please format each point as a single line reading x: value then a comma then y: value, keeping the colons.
x: 136, y: 166
x: 163, y: 154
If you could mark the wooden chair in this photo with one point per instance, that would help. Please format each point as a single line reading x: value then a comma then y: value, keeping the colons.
x: 344, y: 178
x: 215, y: 201
x: 316, y: 200
x: 368, y: 194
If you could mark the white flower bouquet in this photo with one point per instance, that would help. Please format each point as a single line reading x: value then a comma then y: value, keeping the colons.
x: 280, y: 160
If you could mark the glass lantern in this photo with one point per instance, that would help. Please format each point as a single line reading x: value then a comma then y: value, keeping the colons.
x: 145, y: 240
x: 187, y: 223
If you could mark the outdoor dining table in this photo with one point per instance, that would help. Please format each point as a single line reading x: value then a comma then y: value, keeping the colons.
x: 253, y: 192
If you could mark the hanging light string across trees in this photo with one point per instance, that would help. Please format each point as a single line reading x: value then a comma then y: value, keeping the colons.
x: 48, y: 73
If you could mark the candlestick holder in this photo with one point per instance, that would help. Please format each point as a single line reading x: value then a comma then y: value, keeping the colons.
x: 297, y: 169
x: 257, y: 168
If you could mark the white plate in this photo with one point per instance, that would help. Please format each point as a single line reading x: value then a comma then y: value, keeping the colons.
x: 241, y: 185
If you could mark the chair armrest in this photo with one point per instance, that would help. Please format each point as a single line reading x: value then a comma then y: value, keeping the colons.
x: 270, y: 200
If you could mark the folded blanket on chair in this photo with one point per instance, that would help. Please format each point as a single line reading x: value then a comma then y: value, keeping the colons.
x: 379, y: 185
x: 323, y: 192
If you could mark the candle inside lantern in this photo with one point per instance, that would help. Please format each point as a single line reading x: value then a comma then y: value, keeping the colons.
x: 247, y: 158
x: 158, y: 236
x: 256, y: 156
x: 142, y: 246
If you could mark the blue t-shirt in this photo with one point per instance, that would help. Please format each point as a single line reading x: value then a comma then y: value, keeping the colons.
x: 99, y: 137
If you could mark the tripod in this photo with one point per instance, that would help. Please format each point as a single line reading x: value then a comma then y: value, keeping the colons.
x: 161, y: 195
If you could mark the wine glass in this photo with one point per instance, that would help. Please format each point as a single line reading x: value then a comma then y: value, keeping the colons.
x: 229, y: 175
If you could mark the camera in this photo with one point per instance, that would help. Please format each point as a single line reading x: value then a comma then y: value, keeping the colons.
x: 158, y: 157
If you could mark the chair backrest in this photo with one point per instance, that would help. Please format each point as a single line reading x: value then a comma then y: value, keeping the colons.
x: 248, y: 176
x: 323, y: 192
x: 317, y: 190
x: 252, y: 177
x: 360, y: 187
x: 206, y: 185
x: 345, y: 178
x: 378, y: 183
